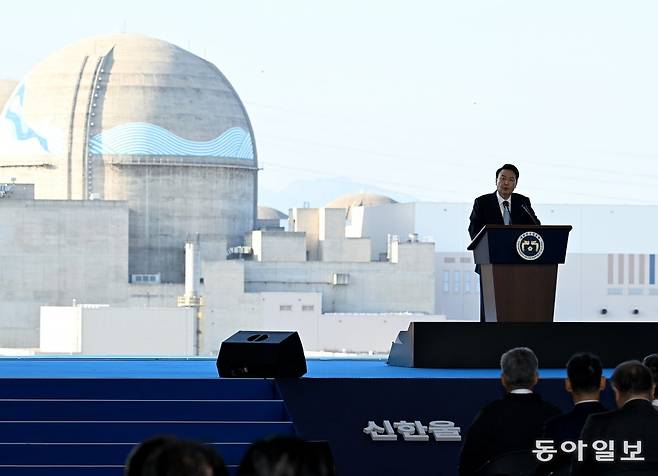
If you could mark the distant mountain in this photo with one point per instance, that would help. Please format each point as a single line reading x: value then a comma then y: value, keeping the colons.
x: 317, y: 193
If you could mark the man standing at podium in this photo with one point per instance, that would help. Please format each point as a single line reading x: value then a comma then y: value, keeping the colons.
x: 503, y: 207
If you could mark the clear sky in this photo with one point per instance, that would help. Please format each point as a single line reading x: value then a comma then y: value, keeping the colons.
x: 424, y: 98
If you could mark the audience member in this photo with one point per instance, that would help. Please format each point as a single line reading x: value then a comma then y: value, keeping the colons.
x: 287, y: 456
x: 184, y: 458
x: 139, y: 454
x: 631, y: 431
x: 584, y: 382
x: 512, y: 423
x: 651, y: 361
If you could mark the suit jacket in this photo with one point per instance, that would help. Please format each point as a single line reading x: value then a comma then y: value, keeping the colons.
x: 567, y: 427
x: 486, y: 211
x: 636, y: 421
x: 510, y: 424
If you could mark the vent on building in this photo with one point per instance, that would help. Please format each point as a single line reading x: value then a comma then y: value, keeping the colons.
x: 237, y: 252
x: 285, y: 307
x: 341, y: 279
x: 146, y: 278
x: 307, y: 307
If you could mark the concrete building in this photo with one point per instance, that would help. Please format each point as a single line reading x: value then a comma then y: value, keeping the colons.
x: 274, y: 286
x: 135, y: 119
x: 105, y: 330
x: 7, y: 87
x: 55, y: 252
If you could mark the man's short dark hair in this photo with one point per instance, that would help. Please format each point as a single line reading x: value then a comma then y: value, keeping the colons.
x: 519, y: 365
x: 632, y: 378
x: 285, y: 455
x: 651, y: 361
x: 140, y: 453
x: 508, y: 167
x: 187, y: 458
x: 584, y: 371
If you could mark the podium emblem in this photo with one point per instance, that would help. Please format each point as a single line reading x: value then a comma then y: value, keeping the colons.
x: 530, y: 245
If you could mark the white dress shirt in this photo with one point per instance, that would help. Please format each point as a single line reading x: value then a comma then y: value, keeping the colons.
x: 521, y: 391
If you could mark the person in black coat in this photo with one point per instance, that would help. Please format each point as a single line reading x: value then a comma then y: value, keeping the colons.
x: 634, y: 421
x: 584, y: 382
x: 489, y: 209
x: 512, y: 423
x: 502, y: 207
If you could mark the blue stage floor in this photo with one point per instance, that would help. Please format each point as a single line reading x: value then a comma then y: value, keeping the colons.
x: 109, y: 404
x: 204, y: 368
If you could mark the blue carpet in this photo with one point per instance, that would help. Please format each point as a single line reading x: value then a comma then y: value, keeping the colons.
x: 204, y: 368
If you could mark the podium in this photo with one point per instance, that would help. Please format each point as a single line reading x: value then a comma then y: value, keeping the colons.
x: 518, y: 270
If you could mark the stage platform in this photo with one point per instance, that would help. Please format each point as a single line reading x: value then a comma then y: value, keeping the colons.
x: 204, y: 368
x: 467, y: 345
x: 52, y: 407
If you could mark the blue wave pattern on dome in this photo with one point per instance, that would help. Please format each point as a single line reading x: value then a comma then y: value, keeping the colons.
x: 22, y: 130
x: 141, y: 138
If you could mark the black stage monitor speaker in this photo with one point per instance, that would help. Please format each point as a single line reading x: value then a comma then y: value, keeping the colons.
x: 261, y: 354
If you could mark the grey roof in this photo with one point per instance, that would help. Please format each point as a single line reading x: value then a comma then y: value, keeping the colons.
x: 359, y: 199
x: 269, y: 213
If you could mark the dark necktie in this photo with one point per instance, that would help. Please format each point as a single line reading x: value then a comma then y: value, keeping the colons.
x: 507, y: 218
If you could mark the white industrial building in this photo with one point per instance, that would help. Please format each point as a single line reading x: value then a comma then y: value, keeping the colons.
x: 129, y: 225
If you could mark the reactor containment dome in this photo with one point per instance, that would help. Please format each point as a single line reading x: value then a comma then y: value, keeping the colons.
x: 128, y: 117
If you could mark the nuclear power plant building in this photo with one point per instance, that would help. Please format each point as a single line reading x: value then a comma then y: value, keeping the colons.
x: 128, y: 212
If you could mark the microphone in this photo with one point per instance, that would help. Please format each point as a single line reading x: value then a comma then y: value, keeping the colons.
x: 532, y: 217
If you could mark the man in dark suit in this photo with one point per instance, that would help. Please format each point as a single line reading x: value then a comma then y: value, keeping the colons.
x: 502, y: 207
x: 634, y: 422
x: 584, y: 382
x: 512, y: 423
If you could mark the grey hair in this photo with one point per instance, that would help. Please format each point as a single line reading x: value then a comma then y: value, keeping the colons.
x: 519, y: 365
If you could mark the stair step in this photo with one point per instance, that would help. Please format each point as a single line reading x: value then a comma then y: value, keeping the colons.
x: 126, y: 389
x: 114, y: 431
x: 47, y: 470
x: 88, y: 426
x: 92, y: 453
x: 149, y: 410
